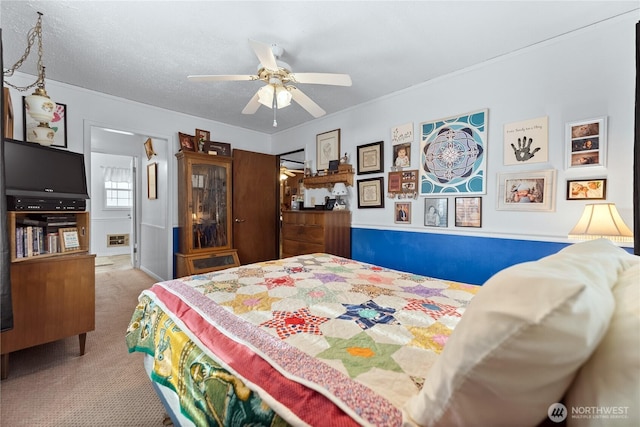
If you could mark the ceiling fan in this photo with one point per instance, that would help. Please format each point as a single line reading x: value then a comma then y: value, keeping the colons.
x: 280, y: 82
x: 288, y: 172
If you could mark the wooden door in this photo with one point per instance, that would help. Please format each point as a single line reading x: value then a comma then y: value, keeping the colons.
x: 255, y: 206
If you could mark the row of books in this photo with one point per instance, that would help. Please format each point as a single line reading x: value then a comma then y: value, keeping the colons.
x: 32, y: 241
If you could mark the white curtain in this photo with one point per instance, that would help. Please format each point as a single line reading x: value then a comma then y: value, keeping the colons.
x: 114, y: 174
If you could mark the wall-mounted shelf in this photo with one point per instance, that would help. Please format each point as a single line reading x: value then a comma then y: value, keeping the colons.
x: 327, y: 181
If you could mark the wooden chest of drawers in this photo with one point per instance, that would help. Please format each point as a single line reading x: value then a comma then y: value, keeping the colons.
x: 307, y: 232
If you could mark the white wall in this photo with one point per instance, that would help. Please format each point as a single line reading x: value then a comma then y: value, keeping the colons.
x: 87, y: 109
x: 107, y: 221
x: 582, y: 75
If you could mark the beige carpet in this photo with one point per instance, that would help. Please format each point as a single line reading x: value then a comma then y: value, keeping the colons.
x: 51, y: 385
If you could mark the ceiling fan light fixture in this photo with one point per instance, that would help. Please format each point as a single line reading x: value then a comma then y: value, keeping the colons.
x: 265, y: 96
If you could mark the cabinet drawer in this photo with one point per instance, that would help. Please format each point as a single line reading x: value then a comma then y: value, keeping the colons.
x: 295, y: 247
x: 304, y: 233
x: 308, y: 218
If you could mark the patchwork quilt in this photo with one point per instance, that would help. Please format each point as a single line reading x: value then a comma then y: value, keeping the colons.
x: 314, y: 339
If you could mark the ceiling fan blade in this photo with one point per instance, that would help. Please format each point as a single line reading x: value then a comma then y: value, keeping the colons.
x: 264, y: 54
x: 306, y: 102
x: 221, y: 78
x: 252, y: 106
x: 322, y: 78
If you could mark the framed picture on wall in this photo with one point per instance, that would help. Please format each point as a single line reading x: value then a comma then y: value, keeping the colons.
x: 370, y: 158
x: 586, y: 143
x: 402, y: 213
x: 152, y: 181
x: 436, y: 212
x: 327, y: 148
x: 371, y: 193
x: 527, y: 191
x: 587, y: 189
x: 468, y: 211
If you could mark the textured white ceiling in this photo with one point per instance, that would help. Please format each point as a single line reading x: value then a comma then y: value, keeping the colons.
x: 143, y: 50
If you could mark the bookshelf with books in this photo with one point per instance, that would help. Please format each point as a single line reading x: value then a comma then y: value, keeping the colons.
x: 52, y: 280
x: 46, y: 234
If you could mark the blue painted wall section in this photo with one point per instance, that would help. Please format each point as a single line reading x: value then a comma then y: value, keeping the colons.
x: 459, y: 258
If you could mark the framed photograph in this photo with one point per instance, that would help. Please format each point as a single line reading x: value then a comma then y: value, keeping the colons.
x: 591, y: 189
x: 333, y: 166
x: 202, y: 135
x: 436, y: 212
x: 58, y: 124
x: 69, y: 240
x: 371, y: 193
x: 402, y: 155
x: 152, y: 181
x: 468, y: 211
x: 327, y: 148
x: 587, y: 143
x: 217, y: 148
x: 186, y: 142
x: 148, y: 149
x: 402, y: 213
x: 527, y: 191
x: 371, y: 158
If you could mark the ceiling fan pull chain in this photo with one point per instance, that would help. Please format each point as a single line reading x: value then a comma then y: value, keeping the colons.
x: 274, y: 107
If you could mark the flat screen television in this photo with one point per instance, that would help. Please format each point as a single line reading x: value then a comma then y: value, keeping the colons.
x: 33, y: 170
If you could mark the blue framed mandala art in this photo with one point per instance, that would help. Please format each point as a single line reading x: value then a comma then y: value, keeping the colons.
x: 453, y: 155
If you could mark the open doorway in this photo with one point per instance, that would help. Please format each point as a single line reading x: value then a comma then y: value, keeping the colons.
x: 113, y: 189
x: 150, y: 242
x: 291, y: 188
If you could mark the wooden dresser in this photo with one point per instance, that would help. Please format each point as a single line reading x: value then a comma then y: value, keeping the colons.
x: 311, y: 231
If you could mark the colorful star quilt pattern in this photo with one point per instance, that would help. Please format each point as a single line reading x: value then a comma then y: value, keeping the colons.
x: 287, y: 323
x: 369, y: 314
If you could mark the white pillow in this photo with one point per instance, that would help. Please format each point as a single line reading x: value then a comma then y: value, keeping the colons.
x: 521, y: 340
x: 606, y: 390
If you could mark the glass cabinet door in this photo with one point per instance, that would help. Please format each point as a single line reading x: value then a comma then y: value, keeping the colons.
x: 209, y: 206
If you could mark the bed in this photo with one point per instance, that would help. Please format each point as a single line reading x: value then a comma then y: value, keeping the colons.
x: 298, y: 341
x: 322, y: 340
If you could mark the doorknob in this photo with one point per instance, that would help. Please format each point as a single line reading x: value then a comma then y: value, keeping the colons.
x: 239, y: 220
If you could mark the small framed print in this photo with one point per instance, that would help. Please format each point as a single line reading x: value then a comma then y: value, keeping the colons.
x: 468, y: 211
x: 202, y: 135
x: 436, y: 212
x: 370, y: 158
x: 69, y: 240
x: 152, y: 173
x: 587, y: 143
x: 217, y: 148
x: 186, y: 142
x: 148, y: 149
x: 591, y: 189
x: 327, y: 148
x: 402, y: 213
x: 527, y: 191
x: 370, y: 193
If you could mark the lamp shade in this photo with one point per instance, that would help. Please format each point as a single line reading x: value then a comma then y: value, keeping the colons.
x: 265, y: 96
x: 601, y: 220
x: 339, y: 189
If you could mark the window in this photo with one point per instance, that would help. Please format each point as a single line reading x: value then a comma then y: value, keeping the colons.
x: 118, y: 188
x: 118, y: 194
